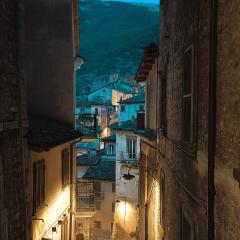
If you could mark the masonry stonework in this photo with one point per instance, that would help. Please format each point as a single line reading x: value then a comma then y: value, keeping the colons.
x: 13, y: 198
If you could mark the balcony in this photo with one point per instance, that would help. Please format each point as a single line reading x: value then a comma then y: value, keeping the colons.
x: 131, y: 159
x: 85, y: 198
x: 87, y: 124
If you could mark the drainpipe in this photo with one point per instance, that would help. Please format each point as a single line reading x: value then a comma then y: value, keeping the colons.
x: 72, y: 186
x: 212, y: 118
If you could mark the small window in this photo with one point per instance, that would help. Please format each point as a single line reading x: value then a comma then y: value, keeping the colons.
x: 97, y: 224
x: 98, y: 205
x: 113, y: 207
x: 111, y: 227
x: 188, y: 95
x: 97, y: 187
x: 65, y: 167
x: 111, y: 150
x: 96, y: 111
x: 114, y: 187
x: 131, y: 147
x: 141, y: 108
x: 186, y: 229
x: 122, y: 108
x: 38, y: 184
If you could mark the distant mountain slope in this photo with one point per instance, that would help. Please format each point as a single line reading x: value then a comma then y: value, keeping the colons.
x: 112, y: 37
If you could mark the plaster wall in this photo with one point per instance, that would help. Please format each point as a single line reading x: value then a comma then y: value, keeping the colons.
x: 130, y: 111
x: 57, y: 198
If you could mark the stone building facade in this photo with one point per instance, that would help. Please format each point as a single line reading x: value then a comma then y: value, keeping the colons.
x: 14, y: 222
x: 196, y: 165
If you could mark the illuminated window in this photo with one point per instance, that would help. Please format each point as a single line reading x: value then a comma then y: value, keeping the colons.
x: 188, y: 95
x: 38, y: 184
x: 65, y: 167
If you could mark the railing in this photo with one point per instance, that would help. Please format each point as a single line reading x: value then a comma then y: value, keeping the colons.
x: 85, y: 199
x: 85, y: 204
x: 130, y: 158
x: 87, y: 123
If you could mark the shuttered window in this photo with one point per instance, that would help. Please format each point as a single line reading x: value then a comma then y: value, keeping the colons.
x: 131, y: 147
x: 38, y: 184
x: 188, y: 96
x: 65, y: 167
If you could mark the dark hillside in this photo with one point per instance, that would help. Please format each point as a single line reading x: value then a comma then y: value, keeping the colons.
x: 112, y: 36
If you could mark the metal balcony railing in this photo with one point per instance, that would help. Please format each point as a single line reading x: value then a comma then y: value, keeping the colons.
x: 130, y: 158
x: 85, y: 204
x: 87, y: 123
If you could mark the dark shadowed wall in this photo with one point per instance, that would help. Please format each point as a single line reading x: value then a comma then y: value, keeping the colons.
x: 49, y: 59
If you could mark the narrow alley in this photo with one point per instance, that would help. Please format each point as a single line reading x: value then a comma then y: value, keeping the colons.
x: 119, y: 120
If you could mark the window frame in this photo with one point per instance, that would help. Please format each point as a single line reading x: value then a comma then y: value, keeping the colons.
x: 39, y: 182
x: 185, y: 214
x: 133, y: 147
x: 97, y: 224
x: 189, y: 140
x: 113, y: 187
x: 65, y: 165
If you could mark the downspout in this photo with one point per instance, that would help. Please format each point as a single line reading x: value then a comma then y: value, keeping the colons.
x: 212, y: 118
x: 72, y: 186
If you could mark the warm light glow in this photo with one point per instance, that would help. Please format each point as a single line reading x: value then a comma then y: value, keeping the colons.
x: 54, y: 210
x: 125, y: 212
x: 156, y: 213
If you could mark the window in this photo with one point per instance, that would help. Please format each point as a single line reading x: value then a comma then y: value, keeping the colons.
x: 113, y: 207
x: 96, y: 111
x: 111, y: 227
x: 97, y: 189
x: 162, y: 199
x: 163, y: 95
x: 186, y: 228
x: 188, y: 95
x: 141, y: 108
x: 131, y: 147
x: 38, y: 184
x: 111, y: 150
x: 122, y: 108
x: 114, y: 187
x: 97, y: 224
x: 65, y: 167
x: 98, y: 205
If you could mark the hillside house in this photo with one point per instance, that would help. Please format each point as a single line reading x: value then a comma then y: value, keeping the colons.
x: 129, y: 108
x: 95, y: 198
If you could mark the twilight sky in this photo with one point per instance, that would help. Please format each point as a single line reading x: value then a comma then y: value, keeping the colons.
x: 139, y: 1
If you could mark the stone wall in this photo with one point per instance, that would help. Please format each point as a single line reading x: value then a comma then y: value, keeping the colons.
x: 185, y: 23
x: 227, y: 201
x: 13, y: 151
